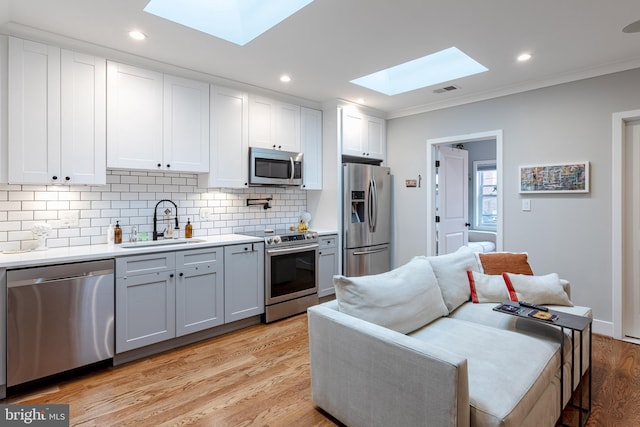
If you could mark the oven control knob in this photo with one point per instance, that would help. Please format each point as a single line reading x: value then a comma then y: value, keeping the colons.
x: 276, y: 239
x: 269, y: 240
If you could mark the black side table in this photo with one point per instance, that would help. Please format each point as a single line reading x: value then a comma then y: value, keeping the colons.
x: 574, y: 323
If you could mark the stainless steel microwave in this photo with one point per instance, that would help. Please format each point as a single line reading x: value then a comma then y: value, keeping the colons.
x: 274, y: 167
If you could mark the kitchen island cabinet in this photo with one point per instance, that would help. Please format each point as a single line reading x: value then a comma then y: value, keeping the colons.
x: 56, y: 109
x: 243, y: 281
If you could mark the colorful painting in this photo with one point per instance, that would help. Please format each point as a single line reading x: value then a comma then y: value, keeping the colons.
x: 562, y: 178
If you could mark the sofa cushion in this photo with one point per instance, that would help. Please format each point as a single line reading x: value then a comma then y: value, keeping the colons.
x: 506, y: 378
x: 451, y: 272
x: 505, y: 262
x: 546, y: 289
x: 403, y: 299
x: 487, y: 288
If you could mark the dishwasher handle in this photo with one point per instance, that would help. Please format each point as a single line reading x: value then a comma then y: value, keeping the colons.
x: 58, y: 273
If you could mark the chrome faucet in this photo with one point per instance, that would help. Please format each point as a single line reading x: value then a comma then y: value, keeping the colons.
x: 155, y: 219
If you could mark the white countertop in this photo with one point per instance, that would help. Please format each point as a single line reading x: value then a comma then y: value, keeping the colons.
x: 93, y: 252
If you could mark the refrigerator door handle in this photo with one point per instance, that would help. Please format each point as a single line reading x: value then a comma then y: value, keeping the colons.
x: 373, y: 205
x: 375, y: 251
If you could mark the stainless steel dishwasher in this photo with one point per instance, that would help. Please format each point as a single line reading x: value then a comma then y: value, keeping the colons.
x: 59, y: 317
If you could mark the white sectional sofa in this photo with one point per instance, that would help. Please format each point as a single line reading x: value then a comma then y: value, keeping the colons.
x: 409, y: 348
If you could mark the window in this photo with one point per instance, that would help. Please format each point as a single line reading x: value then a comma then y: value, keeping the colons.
x: 486, y: 195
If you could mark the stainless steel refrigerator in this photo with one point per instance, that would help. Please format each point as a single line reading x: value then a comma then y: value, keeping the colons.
x: 366, y: 219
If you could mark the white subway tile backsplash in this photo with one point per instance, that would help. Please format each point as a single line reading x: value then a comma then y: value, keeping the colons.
x: 130, y: 197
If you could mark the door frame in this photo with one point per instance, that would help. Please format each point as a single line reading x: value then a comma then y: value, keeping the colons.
x: 619, y: 123
x: 431, y: 178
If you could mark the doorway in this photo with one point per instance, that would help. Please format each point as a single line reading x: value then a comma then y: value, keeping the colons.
x: 625, y: 239
x: 432, y: 145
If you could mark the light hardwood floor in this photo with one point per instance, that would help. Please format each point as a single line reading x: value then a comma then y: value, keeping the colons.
x: 260, y: 376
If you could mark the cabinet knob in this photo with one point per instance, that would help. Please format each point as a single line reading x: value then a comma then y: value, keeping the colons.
x: 319, y: 253
x: 246, y: 248
x: 67, y: 178
x: 54, y: 177
x: 181, y: 274
x: 171, y: 275
x: 159, y: 165
x: 168, y: 165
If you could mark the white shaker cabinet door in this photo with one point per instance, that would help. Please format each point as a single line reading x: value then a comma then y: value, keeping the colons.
x: 229, y: 156
x: 34, y: 112
x: 311, y: 146
x: 134, y: 117
x: 84, y: 134
x: 186, y: 125
x: 243, y: 281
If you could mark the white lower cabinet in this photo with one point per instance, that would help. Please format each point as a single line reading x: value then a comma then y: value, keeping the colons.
x: 243, y: 281
x: 327, y: 264
x: 166, y: 295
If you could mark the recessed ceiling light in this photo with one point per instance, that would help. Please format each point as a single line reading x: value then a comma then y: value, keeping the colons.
x: 285, y: 78
x: 237, y: 21
x: 137, y: 35
x: 524, y: 57
x: 360, y: 101
x: 429, y: 70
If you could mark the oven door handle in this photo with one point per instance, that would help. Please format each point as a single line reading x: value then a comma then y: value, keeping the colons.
x: 293, y: 249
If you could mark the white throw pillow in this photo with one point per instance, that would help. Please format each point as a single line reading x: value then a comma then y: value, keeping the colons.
x: 451, y: 272
x: 403, y: 299
x: 536, y: 289
x: 487, y: 288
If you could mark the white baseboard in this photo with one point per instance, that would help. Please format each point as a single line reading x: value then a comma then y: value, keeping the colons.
x: 602, y: 327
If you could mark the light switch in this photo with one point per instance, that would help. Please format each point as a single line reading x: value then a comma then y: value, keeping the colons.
x: 526, y: 205
x: 206, y: 214
x: 69, y: 218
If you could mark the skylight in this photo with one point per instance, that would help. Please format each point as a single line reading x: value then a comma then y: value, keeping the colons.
x: 237, y: 21
x: 439, y: 67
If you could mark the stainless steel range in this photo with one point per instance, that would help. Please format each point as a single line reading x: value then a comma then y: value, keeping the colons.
x: 291, y: 273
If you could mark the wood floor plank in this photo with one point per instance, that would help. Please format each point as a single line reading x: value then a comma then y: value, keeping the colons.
x: 260, y: 377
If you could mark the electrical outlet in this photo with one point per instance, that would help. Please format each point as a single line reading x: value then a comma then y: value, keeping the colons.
x: 206, y: 214
x: 69, y: 218
x: 526, y: 205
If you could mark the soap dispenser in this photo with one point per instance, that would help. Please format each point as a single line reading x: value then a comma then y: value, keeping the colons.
x: 188, y: 229
x: 117, y: 233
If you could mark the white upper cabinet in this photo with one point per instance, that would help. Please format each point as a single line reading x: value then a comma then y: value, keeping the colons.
x: 311, y: 146
x: 156, y: 121
x: 134, y: 117
x: 363, y: 135
x: 56, y: 115
x: 229, y: 158
x: 274, y: 124
x: 186, y: 124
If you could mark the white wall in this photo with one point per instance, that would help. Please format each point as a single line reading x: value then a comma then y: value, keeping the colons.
x: 567, y: 234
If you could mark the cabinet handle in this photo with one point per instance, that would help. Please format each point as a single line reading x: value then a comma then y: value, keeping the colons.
x: 55, y: 177
x: 168, y: 165
x: 171, y: 275
x: 182, y: 274
x: 66, y: 178
x: 246, y: 248
x: 159, y: 165
x: 246, y: 184
x: 319, y: 253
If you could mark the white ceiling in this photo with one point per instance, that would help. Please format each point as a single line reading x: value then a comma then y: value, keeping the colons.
x: 330, y: 42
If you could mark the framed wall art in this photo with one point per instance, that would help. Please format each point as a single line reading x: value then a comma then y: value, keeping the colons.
x: 555, y: 178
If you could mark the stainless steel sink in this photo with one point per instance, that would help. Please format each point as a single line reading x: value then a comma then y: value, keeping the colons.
x: 165, y: 242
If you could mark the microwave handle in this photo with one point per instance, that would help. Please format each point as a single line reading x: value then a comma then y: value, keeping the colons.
x: 293, y: 167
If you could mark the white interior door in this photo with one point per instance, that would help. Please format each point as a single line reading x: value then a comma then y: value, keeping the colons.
x: 452, y: 199
x: 631, y: 231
